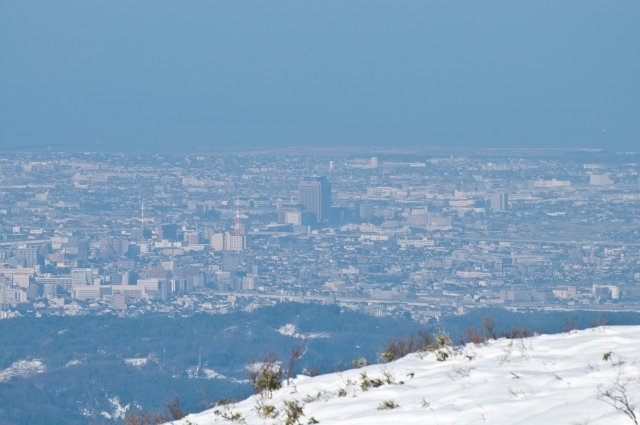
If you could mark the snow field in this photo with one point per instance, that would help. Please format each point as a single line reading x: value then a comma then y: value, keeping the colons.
x: 548, y: 379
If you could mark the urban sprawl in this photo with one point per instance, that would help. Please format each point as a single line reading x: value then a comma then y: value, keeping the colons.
x: 420, y: 236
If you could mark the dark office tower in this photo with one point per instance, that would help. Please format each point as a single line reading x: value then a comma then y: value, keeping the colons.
x: 83, y: 250
x: 315, y: 194
x: 168, y: 231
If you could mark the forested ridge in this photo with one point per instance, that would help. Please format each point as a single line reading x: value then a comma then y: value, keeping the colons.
x: 84, y: 357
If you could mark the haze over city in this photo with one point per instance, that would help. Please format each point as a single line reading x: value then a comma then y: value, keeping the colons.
x: 161, y: 76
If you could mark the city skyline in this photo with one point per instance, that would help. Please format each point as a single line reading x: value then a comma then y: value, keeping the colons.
x: 428, y: 236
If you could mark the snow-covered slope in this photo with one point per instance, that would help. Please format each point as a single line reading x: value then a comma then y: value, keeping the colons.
x: 549, y: 379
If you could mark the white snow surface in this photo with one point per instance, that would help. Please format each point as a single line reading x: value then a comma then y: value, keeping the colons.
x: 548, y: 379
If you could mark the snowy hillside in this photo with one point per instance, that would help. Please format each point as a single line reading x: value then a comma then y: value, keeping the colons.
x: 549, y: 379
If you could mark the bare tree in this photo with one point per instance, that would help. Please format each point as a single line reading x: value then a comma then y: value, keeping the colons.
x: 474, y: 336
x: 296, y: 355
x: 570, y: 326
x: 489, y: 327
x: 175, y: 409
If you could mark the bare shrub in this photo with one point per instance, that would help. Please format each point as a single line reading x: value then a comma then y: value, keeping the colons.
x: 144, y: 418
x: 602, y: 322
x: 483, y: 335
x: 506, y: 353
x: 400, y: 347
x: 551, y: 372
x: 616, y: 394
x: 147, y: 417
x: 460, y: 372
x: 421, y: 343
x: 312, y: 372
x: 516, y: 332
x: 487, y: 332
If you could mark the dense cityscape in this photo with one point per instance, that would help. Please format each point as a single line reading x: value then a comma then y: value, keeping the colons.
x: 388, y: 234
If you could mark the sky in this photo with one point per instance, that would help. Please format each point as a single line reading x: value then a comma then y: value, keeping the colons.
x: 202, y: 76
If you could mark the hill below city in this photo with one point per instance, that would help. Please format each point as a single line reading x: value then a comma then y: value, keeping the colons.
x: 580, y: 377
x: 94, y: 369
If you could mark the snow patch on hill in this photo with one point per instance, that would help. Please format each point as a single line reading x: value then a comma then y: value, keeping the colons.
x: 291, y: 330
x: 203, y: 372
x: 119, y: 411
x: 22, y: 368
x: 136, y: 361
x: 548, y: 379
x: 212, y: 374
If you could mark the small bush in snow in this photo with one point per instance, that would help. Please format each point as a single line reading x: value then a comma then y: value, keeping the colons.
x: 387, y: 405
x: 293, y: 412
x: 358, y: 363
x: 266, y: 376
x: 367, y: 382
x: 266, y: 411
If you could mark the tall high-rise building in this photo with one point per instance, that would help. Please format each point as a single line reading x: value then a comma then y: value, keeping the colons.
x: 235, y: 242
x: 499, y: 201
x: 600, y: 180
x: 228, y: 242
x: 191, y: 238
x: 366, y: 210
x: 230, y: 262
x: 27, y: 257
x: 314, y: 193
x: 81, y: 277
x: 283, y: 210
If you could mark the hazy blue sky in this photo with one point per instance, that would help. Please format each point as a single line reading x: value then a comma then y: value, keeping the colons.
x: 175, y: 75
